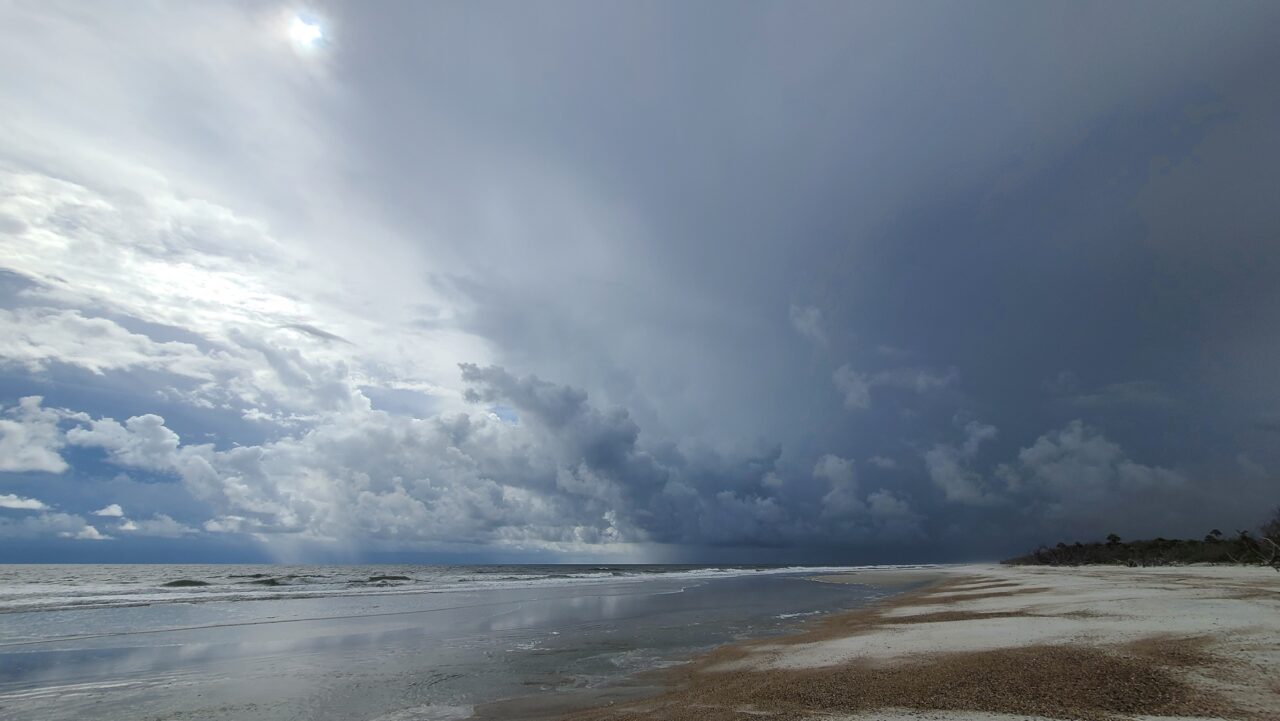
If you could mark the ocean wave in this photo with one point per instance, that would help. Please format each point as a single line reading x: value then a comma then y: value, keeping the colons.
x: 45, y: 589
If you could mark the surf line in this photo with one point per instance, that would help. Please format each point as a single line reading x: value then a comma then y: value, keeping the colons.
x: 176, y: 629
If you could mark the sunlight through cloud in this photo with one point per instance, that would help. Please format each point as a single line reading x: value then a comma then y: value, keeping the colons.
x: 305, y: 34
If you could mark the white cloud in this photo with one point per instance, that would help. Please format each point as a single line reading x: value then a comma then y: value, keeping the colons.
x: 567, y: 477
x: 49, y: 524
x: 30, y: 438
x: 368, y: 474
x: 1078, y: 474
x: 856, y: 386
x: 884, y: 504
x: 146, y: 253
x: 254, y: 368
x: 837, y: 471
x: 841, y: 476
x: 949, y: 467
x: 1126, y: 393
x: 158, y: 525
x: 920, y: 380
x: 975, y: 434
x: 258, y: 335
x: 87, y: 533
x: 378, y: 478
x: 881, y: 516
x: 883, y: 462
x: 9, y: 500
x: 142, y: 442
x: 1069, y: 478
x: 807, y: 321
x: 892, y: 517
x: 90, y: 248
x: 241, y: 237
x: 38, y: 337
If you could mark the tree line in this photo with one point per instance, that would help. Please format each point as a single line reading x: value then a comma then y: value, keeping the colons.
x: 1245, y: 547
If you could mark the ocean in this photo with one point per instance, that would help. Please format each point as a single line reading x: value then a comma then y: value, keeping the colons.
x: 375, y: 643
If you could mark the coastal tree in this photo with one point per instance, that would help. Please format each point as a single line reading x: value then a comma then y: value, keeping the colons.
x: 1269, y: 542
x: 1271, y: 529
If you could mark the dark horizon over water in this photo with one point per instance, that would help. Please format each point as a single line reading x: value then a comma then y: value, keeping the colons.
x: 340, y: 642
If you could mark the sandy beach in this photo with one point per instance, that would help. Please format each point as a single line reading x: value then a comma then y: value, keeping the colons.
x: 995, y: 642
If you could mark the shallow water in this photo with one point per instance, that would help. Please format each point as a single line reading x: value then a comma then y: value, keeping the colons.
x: 387, y: 654
x: 80, y: 586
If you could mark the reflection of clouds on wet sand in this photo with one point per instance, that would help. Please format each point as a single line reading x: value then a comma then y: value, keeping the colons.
x: 345, y: 657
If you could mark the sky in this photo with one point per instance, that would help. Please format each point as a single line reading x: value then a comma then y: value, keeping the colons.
x: 722, y: 282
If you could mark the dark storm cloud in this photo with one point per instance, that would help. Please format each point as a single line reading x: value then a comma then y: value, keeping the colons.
x: 952, y: 181
x: 662, y: 493
x: 556, y: 405
x: 1267, y: 421
x: 1002, y: 205
x: 316, y: 332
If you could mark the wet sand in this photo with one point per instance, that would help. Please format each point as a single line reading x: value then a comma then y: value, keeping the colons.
x: 418, y: 656
x: 888, y: 578
x: 992, y: 642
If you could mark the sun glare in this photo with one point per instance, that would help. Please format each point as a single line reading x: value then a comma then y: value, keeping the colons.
x: 305, y: 34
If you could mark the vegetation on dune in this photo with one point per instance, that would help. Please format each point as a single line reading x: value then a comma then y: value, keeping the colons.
x: 1246, y: 548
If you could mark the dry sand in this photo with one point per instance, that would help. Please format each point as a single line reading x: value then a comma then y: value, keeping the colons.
x: 993, y: 642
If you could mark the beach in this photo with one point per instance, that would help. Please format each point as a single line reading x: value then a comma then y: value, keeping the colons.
x: 953, y: 643
x: 1000, y: 642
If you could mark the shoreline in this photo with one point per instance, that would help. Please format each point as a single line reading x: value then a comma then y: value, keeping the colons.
x: 985, y: 642
x: 653, y: 683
